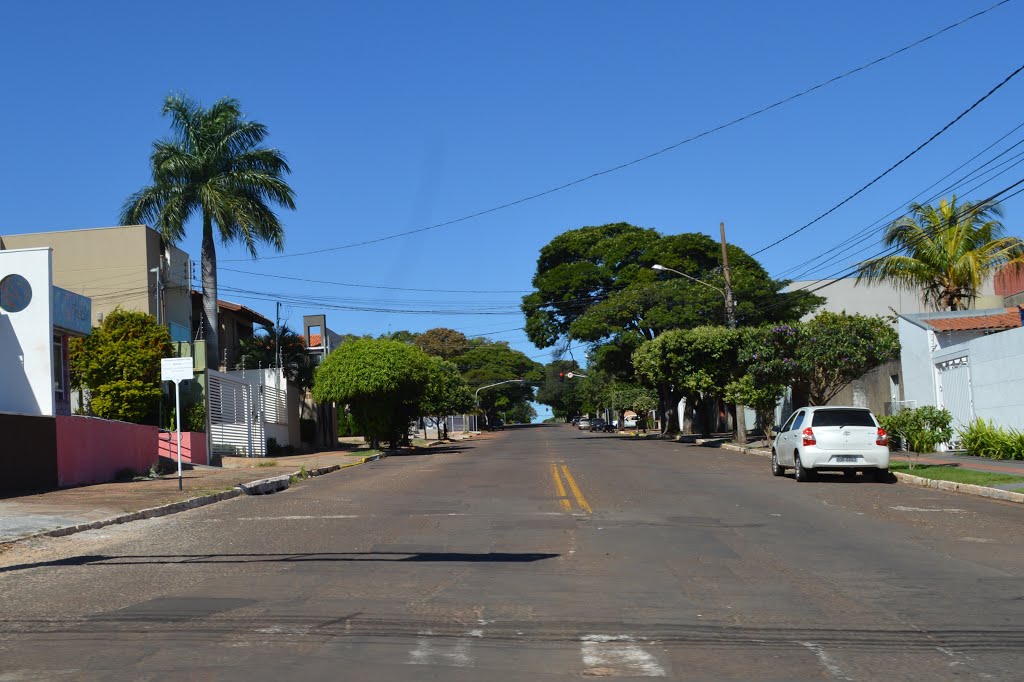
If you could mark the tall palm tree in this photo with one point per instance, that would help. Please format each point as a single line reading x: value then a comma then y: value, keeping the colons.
x: 213, y: 166
x: 945, y: 252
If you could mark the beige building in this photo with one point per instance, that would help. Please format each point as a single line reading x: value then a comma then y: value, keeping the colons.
x: 119, y: 266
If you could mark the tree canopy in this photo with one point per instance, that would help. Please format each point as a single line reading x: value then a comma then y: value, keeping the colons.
x: 945, y: 252
x: 260, y: 350
x: 596, y: 285
x: 381, y: 381
x: 120, y: 365
x: 215, y: 167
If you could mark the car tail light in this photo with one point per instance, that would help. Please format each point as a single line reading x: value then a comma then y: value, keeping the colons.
x: 809, y: 438
x: 883, y: 437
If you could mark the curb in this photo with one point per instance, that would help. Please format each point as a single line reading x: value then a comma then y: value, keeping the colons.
x: 910, y: 479
x: 191, y: 503
x: 964, y: 488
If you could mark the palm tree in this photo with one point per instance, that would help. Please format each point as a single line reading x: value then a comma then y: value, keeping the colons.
x: 261, y: 350
x: 946, y: 252
x: 213, y: 166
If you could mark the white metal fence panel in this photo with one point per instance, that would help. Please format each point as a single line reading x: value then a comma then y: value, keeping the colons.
x: 955, y: 394
x: 275, y: 404
x: 235, y: 426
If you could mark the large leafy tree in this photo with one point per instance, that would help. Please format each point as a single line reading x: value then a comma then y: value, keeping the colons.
x: 442, y: 342
x: 446, y: 394
x: 213, y: 167
x: 381, y: 381
x: 120, y: 365
x: 558, y: 391
x: 490, y: 362
x: 595, y: 285
x: 945, y: 252
x: 701, y: 363
x: 820, y: 357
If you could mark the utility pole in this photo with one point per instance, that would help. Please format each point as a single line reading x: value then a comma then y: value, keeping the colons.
x: 277, y: 345
x: 730, y: 317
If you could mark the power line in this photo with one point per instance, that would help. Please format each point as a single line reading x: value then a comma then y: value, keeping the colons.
x: 895, y: 165
x: 377, y: 286
x: 837, y: 249
x: 645, y: 157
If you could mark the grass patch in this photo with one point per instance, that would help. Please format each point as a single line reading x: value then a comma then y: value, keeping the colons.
x: 268, y: 463
x: 956, y: 474
x: 363, y: 453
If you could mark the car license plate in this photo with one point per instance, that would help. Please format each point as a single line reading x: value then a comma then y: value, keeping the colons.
x: 847, y: 458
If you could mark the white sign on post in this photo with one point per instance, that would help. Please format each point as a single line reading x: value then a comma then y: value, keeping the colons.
x: 177, y: 370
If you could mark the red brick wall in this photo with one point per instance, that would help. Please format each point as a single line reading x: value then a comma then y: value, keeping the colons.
x: 1008, y: 282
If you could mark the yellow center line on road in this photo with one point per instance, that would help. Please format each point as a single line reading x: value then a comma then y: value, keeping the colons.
x: 582, y: 501
x: 563, y: 499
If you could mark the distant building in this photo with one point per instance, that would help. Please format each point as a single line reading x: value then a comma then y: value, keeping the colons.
x: 236, y: 323
x: 319, y: 339
x: 119, y: 267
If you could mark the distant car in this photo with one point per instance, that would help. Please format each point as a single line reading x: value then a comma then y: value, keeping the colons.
x: 597, y: 424
x: 612, y: 426
x: 498, y: 425
x: 629, y: 423
x: 827, y: 438
x: 583, y: 424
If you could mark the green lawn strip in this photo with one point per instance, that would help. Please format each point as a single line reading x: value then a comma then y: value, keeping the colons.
x: 939, y: 472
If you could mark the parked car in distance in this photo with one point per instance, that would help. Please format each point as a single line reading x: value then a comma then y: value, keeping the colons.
x: 583, y: 424
x: 597, y: 424
x: 629, y: 422
x: 831, y: 438
x: 612, y: 426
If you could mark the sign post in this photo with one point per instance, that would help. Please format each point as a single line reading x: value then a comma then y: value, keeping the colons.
x: 176, y: 370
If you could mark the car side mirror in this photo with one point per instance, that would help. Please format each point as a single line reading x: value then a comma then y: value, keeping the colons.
x: 776, y: 430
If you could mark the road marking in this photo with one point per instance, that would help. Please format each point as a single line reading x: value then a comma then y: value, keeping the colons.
x: 297, y: 518
x: 426, y: 653
x: 580, y: 500
x: 617, y: 656
x: 563, y: 499
x: 826, y: 660
x: 951, y: 510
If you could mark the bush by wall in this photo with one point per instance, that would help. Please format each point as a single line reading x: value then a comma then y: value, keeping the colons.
x: 920, y: 429
x: 983, y: 439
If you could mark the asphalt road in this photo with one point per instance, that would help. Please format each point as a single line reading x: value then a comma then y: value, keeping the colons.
x: 535, y: 553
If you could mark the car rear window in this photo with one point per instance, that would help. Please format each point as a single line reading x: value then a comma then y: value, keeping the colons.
x: 842, y: 418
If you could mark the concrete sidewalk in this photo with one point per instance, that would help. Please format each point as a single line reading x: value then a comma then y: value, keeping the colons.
x: 30, y: 514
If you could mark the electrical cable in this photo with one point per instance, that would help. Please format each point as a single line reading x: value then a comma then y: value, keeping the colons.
x: 643, y: 158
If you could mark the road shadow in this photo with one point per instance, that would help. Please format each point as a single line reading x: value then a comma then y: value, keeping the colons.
x: 312, y: 557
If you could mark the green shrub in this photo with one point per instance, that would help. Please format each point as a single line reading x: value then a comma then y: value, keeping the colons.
x: 985, y: 439
x: 920, y: 429
x: 195, y: 417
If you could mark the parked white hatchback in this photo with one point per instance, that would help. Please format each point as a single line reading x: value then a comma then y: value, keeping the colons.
x: 827, y: 438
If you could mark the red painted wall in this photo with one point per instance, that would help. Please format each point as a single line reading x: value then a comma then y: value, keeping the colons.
x: 193, y: 447
x: 92, y: 450
x: 1009, y: 281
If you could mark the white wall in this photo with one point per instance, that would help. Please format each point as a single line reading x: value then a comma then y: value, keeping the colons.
x: 916, y: 345
x: 26, y: 337
x: 997, y: 377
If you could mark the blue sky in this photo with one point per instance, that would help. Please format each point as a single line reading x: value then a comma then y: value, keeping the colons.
x: 396, y: 115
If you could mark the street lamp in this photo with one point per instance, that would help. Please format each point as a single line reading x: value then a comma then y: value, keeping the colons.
x: 476, y: 394
x: 730, y: 317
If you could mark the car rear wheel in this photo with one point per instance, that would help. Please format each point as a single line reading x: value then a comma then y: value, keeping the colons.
x: 777, y: 469
x: 803, y: 474
x: 882, y: 475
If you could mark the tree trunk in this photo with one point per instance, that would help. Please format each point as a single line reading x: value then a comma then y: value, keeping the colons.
x: 211, y: 326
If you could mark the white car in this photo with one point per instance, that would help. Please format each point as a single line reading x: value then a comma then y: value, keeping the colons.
x: 846, y: 439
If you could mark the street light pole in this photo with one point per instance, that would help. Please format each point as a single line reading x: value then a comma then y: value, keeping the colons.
x: 730, y: 319
x: 476, y: 394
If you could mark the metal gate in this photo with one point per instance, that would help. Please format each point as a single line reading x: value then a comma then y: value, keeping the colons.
x: 236, y: 425
x: 955, y: 395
